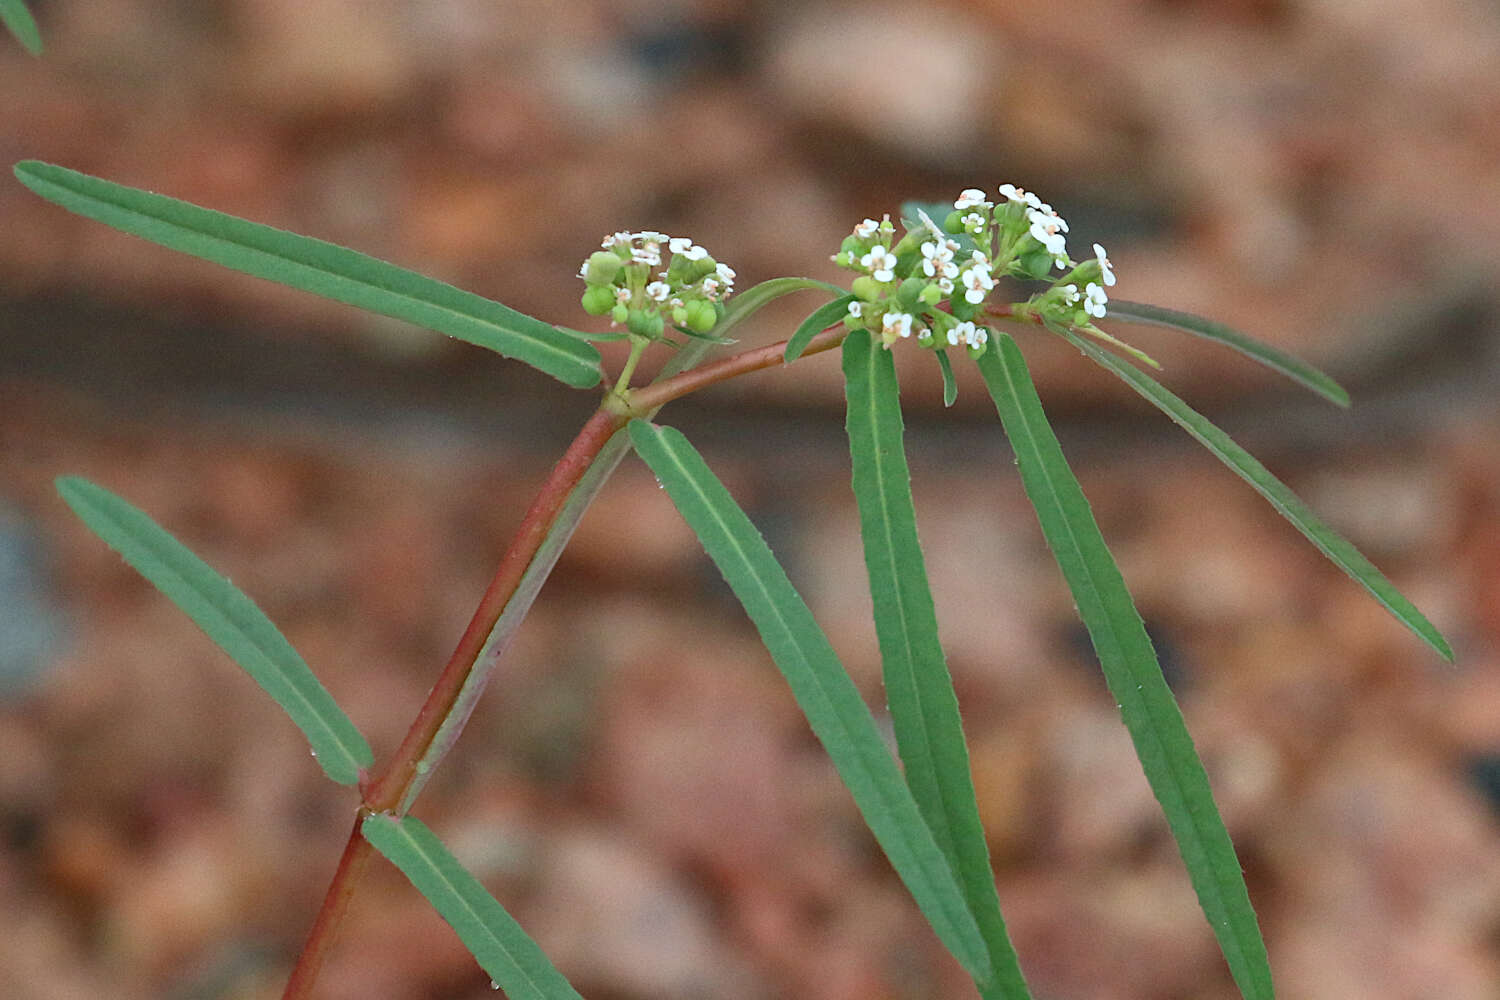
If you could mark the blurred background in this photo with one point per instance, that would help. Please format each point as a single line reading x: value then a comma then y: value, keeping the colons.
x: 638, y: 787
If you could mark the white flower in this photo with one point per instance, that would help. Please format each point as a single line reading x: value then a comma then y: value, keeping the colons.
x: 978, y: 281
x: 1104, y: 265
x: 1020, y: 196
x: 616, y: 239
x: 945, y: 285
x: 1070, y: 294
x: 687, y: 248
x: 710, y: 288
x: 622, y: 296
x: 937, y: 260
x: 973, y: 222
x: 1094, y: 300
x: 658, y: 291
x: 979, y: 337
x: 960, y: 332
x: 651, y: 236
x: 726, y: 275
x: 971, y: 198
x: 1047, y: 229
x: 866, y: 230
x: 881, y: 263
x: 856, y: 308
x: 896, y: 324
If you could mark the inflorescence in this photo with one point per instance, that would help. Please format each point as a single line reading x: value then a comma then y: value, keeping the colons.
x: 933, y: 283
x: 627, y: 282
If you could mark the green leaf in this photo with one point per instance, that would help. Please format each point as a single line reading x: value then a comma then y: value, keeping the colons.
x: 21, y: 24
x: 512, y: 959
x: 919, y: 690
x: 829, y: 699
x: 745, y: 304
x: 325, y: 269
x: 1343, y: 554
x: 950, y: 384
x: 1292, y: 367
x: 230, y: 619
x: 824, y: 316
x: 1130, y: 667
x: 606, y: 337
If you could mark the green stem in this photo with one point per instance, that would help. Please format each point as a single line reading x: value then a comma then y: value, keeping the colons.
x: 637, y: 348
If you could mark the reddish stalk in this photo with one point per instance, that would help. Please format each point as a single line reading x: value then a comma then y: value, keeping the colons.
x: 330, y: 915
x: 385, y: 791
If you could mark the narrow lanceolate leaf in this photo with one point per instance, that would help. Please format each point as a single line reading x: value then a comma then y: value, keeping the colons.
x: 1289, y: 365
x: 919, y: 690
x: 20, y: 23
x: 829, y: 699
x: 322, y: 268
x: 230, y: 619
x: 513, y: 961
x: 825, y: 315
x: 747, y: 303
x: 950, y: 384
x: 1130, y: 668
x: 1333, y: 545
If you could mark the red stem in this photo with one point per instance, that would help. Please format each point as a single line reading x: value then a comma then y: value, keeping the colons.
x: 385, y: 791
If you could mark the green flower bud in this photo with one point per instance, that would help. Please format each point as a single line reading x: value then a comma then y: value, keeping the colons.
x: 602, y: 268
x: 909, y: 294
x: 852, y: 245
x: 598, y: 299
x: 844, y: 258
x: 638, y: 322
x: 931, y: 295
x: 979, y: 351
x: 865, y: 287
x: 679, y: 315
x: 620, y: 313
x: 1035, y: 263
x: 701, y: 268
x: 954, y: 223
x: 701, y: 316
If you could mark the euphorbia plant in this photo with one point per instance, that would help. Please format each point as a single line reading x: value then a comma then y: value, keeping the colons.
x: 932, y: 282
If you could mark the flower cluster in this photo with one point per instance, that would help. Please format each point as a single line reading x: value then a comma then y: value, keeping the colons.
x: 932, y: 283
x: 627, y: 282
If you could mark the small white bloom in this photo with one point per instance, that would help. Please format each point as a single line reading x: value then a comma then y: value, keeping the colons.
x: 881, y: 263
x: 622, y: 296
x: 896, y: 324
x: 866, y: 230
x: 937, y: 260
x: 726, y: 275
x: 979, y: 338
x: 1070, y: 294
x: 710, y: 288
x: 960, y: 333
x: 616, y: 239
x: 1104, y: 265
x: 658, y: 291
x: 945, y: 285
x: 978, y: 281
x: 856, y: 308
x: 1094, y: 300
x: 651, y: 236
x: 979, y: 257
x: 583, y: 270
x: 973, y: 222
x: 971, y: 198
x: 1020, y: 196
x: 687, y: 248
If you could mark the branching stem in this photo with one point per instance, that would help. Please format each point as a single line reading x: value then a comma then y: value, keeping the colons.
x: 387, y: 790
